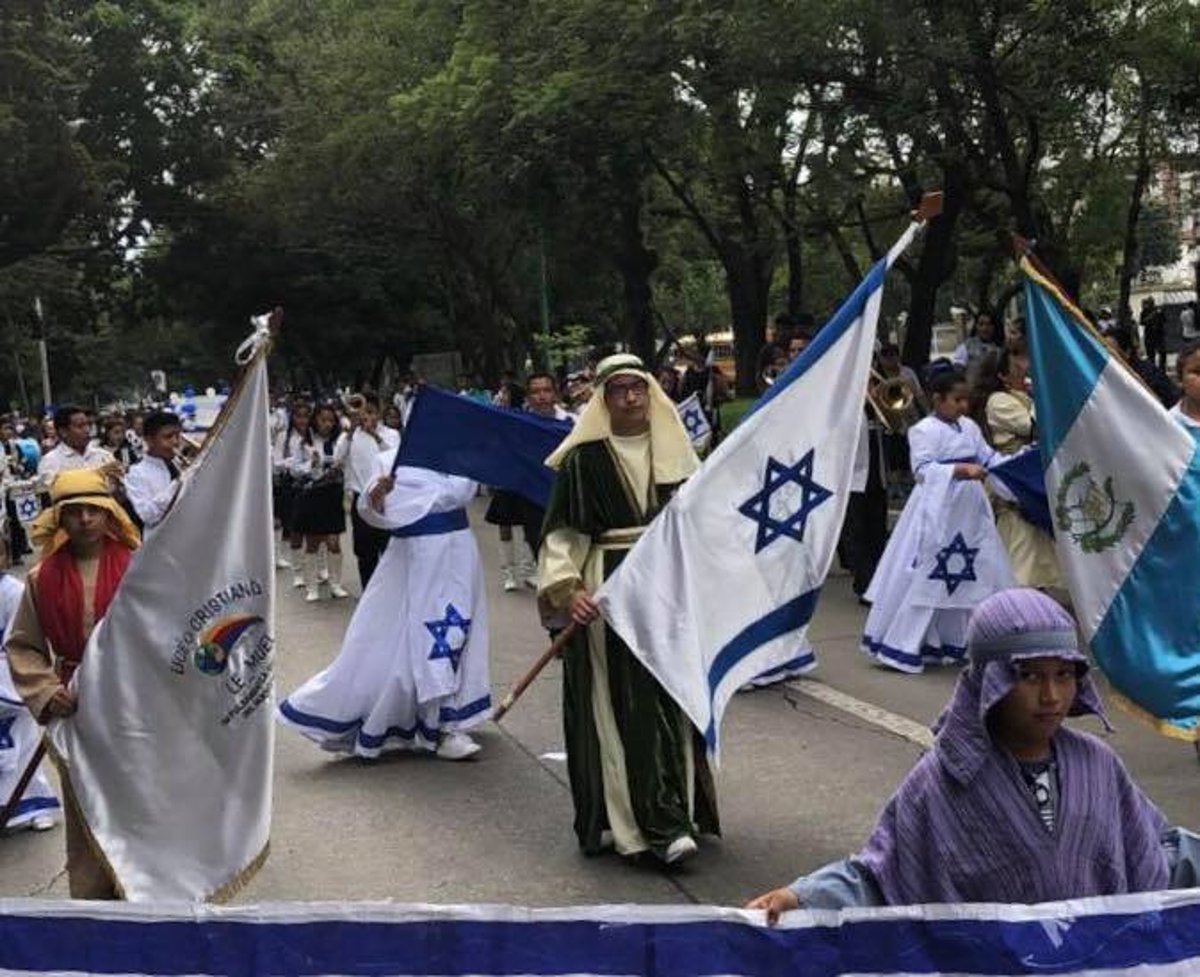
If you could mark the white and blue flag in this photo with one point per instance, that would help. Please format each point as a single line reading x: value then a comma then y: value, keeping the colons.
x: 1153, y: 934
x: 695, y: 422
x: 1123, y: 487
x: 723, y: 584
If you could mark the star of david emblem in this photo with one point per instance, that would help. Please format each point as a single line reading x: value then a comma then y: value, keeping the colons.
x: 788, y: 497
x: 442, y: 648
x: 958, y: 547
x: 27, y: 508
x: 693, y: 420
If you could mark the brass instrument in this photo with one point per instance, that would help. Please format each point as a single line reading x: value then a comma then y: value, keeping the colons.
x: 890, y: 398
x: 189, y: 450
x: 355, y: 405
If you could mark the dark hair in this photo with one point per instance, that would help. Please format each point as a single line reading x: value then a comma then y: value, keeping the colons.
x: 942, y: 382
x: 1123, y: 337
x: 889, y: 349
x: 158, y: 420
x: 1189, y: 349
x: 540, y: 375
x: 320, y: 408
x: 63, y: 415
x: 371, y: 400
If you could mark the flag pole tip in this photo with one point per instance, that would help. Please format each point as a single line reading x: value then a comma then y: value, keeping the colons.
x: 929, y: 207
x: 1022, y: 247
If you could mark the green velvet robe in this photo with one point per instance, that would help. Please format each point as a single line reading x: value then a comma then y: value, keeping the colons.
x: 591, y: 496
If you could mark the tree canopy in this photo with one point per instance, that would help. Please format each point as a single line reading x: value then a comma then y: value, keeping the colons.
x: 410, y: 176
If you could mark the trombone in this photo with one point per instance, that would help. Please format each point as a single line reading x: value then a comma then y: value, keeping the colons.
x: 890, y: 398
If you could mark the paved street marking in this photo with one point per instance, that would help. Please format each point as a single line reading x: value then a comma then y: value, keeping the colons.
x: 892, y: 722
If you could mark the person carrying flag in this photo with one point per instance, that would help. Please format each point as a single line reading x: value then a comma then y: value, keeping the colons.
x: 86, y: 541
x: 637, y: 766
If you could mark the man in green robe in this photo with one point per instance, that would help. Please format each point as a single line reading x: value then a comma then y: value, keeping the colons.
x: 639, y: 775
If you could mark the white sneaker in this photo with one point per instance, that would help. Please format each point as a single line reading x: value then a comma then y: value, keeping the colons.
x: 457, y: 746
x: 43, y: 822
x: 297, y: 577
x: 510, y: 582
x: 337, y: 590
x: 681, y: 849
x: 312, y: 595
x: 281, y: 563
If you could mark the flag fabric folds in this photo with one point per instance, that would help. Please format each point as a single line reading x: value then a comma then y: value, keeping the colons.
x: 1022, y: 478
x: 1150, y: 935
x: 695, y: 422
x: 170, y: 752
x: 493, y: 445
x: 722, y: 585
x: 1123, y: 485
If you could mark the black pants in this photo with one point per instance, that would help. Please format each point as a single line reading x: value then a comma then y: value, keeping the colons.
x: 369, y: 542
x: 864, y: 533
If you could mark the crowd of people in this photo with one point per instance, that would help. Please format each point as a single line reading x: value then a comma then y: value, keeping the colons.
x: 412, y: 669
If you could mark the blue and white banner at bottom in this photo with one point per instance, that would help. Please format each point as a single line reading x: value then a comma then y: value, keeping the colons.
x: 1148, y: 935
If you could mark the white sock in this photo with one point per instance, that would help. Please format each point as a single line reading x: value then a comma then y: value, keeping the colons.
x: 333, y: 566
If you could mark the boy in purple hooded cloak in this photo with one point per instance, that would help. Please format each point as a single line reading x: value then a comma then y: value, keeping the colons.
x: 1009, y: 805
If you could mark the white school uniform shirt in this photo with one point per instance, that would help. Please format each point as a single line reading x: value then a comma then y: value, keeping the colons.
x: 150, y: 489
x: 934, y: 440
x: 359, y: 454
x: 62, y: 457
x: 311, y: 459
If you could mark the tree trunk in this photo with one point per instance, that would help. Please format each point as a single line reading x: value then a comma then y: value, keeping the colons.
x: 794, y: 249
x: 748, y: 284
x: 1141, y: 178
x: 636, y: 263
x: 935, y: 267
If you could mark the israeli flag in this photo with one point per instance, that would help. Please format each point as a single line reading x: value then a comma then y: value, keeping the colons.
x: 723, y: 584
x: 695, y: 422
x: 1123, y: 486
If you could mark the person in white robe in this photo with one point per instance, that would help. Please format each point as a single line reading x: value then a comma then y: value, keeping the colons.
x: 944, y: 555
x: 412, y: 673
x: 20, y: 734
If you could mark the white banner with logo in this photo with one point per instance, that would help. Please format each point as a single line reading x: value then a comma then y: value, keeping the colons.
x: 170, y: 752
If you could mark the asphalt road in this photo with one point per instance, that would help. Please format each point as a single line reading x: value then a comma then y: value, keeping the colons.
x: 804, y: 771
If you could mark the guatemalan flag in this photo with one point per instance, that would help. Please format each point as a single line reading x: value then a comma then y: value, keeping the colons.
x: 723, y: 584
x: 1123, y: 486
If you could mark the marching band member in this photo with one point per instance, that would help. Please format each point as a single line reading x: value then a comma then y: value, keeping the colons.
x: 75, y: 448
x: 944, y: 554
x: 116, y: 442
x: 151, y: 484
x: 286, y: 451
x: 320, y: 516
x: 358, y: 453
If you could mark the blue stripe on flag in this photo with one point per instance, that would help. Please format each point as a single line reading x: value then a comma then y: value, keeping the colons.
x: 1144, y: 616
x: 1063, y: 355
x: 1065, y: 940
x: 791, y: 616
x: 825, y: 338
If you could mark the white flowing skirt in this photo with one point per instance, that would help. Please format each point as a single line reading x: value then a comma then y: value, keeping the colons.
x: 414, y: 662
x: 943, y: 558
x: 19, y: 738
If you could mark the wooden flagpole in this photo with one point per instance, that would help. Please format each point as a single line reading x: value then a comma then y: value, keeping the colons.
x: 527, y: 680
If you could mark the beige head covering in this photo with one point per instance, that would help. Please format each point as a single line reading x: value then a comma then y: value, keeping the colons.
x: 671, y: 449
x: 78, y: 487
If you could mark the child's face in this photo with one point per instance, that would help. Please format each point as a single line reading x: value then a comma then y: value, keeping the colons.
x: 1190, y: 378
x: 952, y: 405
x: 84, y: 524
x: 1028, y: 717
